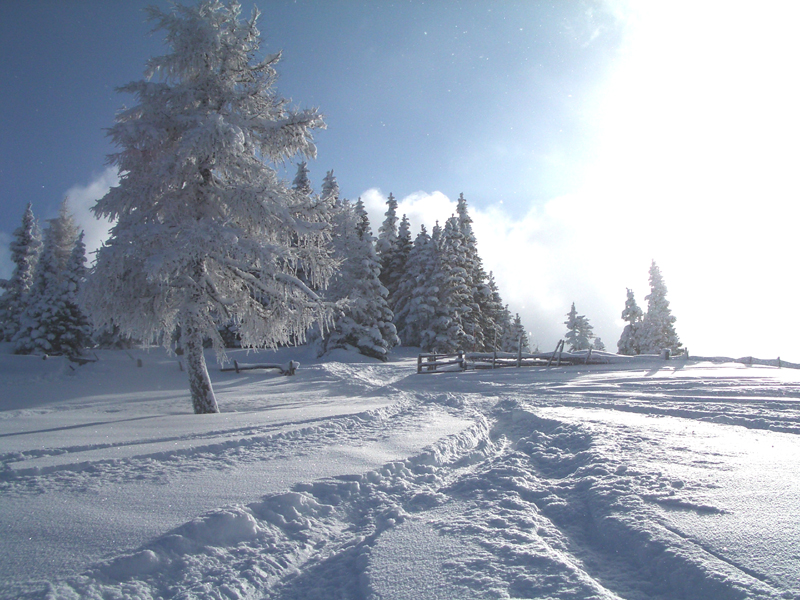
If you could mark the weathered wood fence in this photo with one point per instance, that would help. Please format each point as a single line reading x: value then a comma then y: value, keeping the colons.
x: 434, y: 362
x: 285, y: 369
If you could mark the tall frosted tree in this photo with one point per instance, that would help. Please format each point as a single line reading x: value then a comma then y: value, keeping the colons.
x: 658, y: 325
x: 206, y: 232
x: 387, y: 243
x: 26, y: 244
x: 629, y: 341
x: 579, y: 331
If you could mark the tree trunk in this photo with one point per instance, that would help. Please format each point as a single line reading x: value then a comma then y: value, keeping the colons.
x: 202, y: 393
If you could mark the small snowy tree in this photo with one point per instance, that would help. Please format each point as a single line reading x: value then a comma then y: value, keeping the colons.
x: 579, y: 331
x: 205, y: 231
x: 301, y: 183
x: 658, y: 325
x: 517, y: 337
x: 598, y: 344
x: 330, y: 189
x: 629, y: 340
x: 26, y: 244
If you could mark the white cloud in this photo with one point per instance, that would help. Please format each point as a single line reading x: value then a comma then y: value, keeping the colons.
x: 81, y: 198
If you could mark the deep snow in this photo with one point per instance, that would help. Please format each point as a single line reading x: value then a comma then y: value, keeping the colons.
x: 357, y: 479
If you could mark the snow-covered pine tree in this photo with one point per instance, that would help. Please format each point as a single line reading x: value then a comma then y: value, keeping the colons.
x: 415, y: 306
x: 301, y: 183
x: 598, y: 345
x: 480, y: 318
x: 579, y: 331
x: 205, y: 231
x: 398, y: 260
x: 365, y: 323
x: 330, y: 189
x: 517, y: 337
x: 452, y: 325
x: 629, y: 340
x: 658, y: 325
x: 427, y: 295
x: 26, y: 245
x: 386, y: 244
x: 41, y: 325
x: 74, y: 331
x: 497, y: 318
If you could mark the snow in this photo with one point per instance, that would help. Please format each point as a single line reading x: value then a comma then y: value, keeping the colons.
x: 360, y: 479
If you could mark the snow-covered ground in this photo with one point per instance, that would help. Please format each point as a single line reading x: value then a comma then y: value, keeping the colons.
x: 355, y: 479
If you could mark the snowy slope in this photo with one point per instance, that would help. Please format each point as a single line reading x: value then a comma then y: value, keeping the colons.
x: 357, y: 479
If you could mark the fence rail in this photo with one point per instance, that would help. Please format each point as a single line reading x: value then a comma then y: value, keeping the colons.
x: 435, y: 362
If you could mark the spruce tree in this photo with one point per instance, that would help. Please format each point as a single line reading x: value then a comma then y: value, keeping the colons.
x: 416, y: 306
x: 429, y: 294
x: 301, y: 183
x: 386, y: 245
x: 482, y: 308
x: 579, y: 331
x: 365, y: 322
x: 517, y: 337
x: 658, y: 325
x: 205, y: 231
x: 47, y: 318
x: 598, y: 345
x: 629, y: 340
x: 330, y: 189
x: 26, y: 245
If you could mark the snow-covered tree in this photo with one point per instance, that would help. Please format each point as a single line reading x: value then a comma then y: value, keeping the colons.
x: 365, y: 322
x: 598, y: 344
x: 387, y: 243
x: 330, y: 189
x: 493, y: 313
x: 629, y: 340
x: 658, y: 325
x: 51, y: 313
x: 301, y: 183
x: 398, y: 259
x: 205, y: 231
x: 579, y: 331
x: 416, y: 304
x: 480, y: 320
x: 517, y: 337
x: 26, y: 244
x: 452, y: 326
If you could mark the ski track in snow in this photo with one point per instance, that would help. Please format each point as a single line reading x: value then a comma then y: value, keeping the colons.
x: 566, y: 483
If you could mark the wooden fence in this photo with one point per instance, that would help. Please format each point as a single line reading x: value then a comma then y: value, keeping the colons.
x: 461, y: 361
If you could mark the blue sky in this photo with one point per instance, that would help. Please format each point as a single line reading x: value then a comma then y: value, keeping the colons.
x: 588, y: 137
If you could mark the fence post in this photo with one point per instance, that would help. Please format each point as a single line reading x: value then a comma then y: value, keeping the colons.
x: 461, y: 361
x: 779, y: 362
x: 519, y: 352
x: 494, y: 358
x: 419, y: 364
x: 588, y: 356
x: 560, y: 351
